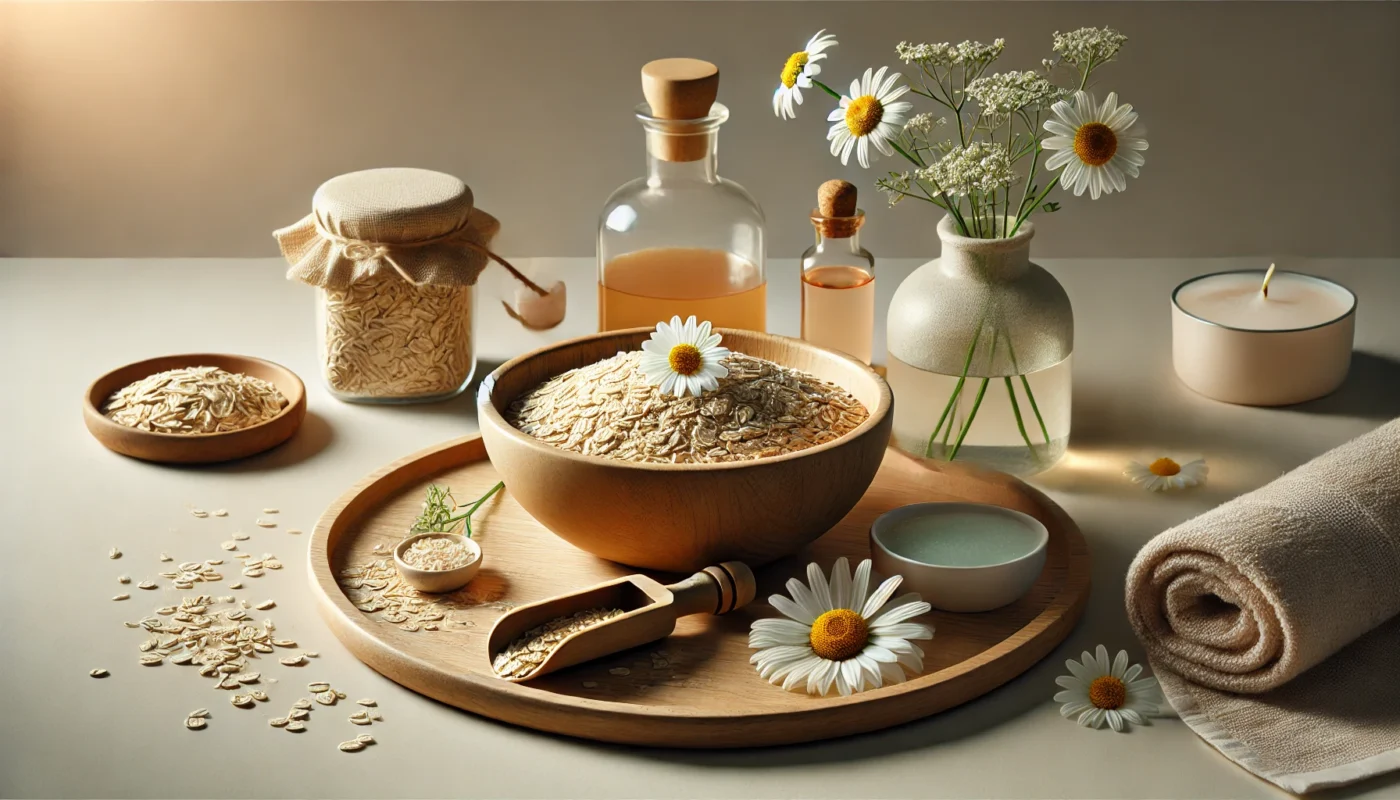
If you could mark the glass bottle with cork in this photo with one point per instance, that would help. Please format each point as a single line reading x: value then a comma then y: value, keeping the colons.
x: 682, y: 240
x: 838, y: 276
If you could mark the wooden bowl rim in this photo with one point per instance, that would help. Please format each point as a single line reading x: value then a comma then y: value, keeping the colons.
x: 96, y: 417
x: 486, y: 410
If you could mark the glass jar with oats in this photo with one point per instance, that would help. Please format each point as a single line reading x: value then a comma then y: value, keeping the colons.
x: 395, y: 255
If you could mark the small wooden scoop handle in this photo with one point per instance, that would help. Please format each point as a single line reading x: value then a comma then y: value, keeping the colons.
x: 714, y: 590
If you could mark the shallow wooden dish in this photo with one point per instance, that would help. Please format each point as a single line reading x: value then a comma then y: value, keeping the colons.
x: 195, y: 448
x: 695, y: 688
x: 685, y: 517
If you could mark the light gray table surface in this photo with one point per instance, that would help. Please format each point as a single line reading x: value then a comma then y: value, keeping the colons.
x: 67, y: 501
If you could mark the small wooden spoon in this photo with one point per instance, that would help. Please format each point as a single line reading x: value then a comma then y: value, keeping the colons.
x: 650, y: 613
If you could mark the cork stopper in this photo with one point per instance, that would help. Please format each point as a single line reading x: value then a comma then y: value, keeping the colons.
x: 680, y: 89
x: 836, y: 216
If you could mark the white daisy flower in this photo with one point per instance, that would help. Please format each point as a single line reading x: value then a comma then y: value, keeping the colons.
x: 684, y: 357
x: 1096, y: 143
x: 797, y: 75
x: 869, y: 114
x: 838, y: 637
x: 1099, y: 692
x: 1164, y: 474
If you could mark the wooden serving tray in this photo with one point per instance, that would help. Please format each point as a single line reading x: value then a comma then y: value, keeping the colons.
x: 696, y: 688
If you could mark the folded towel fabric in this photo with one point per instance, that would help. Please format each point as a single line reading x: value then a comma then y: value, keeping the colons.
x: 1273, y: 621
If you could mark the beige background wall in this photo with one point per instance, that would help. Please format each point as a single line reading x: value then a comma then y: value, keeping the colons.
x: 194, y: 129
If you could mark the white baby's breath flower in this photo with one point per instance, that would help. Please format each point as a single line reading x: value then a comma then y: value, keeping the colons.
x: 924, y: 123
x: 839, y: 634
x: 684, y: 357
x: 797, y: 74
x: 868, y: 115
x: 1005, y: 93
x: 973, y: 55
x: 980, y: 166
x: 1089, y: 45
x: 1098, y: 145
x: 1097, y: 691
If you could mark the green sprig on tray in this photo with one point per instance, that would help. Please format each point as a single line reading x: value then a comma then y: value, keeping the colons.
x: 440, y: 507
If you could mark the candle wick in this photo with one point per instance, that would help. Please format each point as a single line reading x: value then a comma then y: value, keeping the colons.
x: 1267, y: 277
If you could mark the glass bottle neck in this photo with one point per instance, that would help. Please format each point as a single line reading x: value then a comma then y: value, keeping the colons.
x: 839, y: 244
x: 662, y: 150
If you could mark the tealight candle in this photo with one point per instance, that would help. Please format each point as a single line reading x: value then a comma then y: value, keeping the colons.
x: 1236, y: 340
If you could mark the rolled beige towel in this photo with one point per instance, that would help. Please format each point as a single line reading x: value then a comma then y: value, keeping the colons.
x: 1236, y: 606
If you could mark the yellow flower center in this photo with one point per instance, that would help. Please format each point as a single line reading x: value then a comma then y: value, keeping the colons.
x: 839, y: 634
x: 1164, y: 467
x: 1095, y: 143
x: 793, y: 68
x: 1108, y: 692
x: 863, y: 114
x: 685, y: 359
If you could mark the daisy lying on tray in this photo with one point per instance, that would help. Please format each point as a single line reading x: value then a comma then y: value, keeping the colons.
x: 838, y: 635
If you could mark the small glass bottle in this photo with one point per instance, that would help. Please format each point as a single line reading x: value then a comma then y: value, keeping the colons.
x: 681, y: 241
x: 838, y: 276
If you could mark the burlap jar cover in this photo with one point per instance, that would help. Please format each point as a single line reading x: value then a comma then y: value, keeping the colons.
x: 396, y: 253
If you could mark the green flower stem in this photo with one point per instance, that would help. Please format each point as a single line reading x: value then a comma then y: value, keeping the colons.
x: 466, y: 517
x: 1016, y: 411
x: 971, y: 415
x: 1011, y: 351
x: 826, y: 88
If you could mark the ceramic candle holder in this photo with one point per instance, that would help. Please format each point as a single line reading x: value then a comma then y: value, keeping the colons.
x: 1230, y: 342
x: 960, y: 556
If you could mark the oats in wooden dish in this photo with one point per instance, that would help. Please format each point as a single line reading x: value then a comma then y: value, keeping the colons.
x: 195, y: 400
x: 761, y: 409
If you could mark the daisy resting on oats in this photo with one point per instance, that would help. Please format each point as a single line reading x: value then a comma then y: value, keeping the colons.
x: 797, y: 75
x: 869, y: 115
x: 838, y: 637
x: 1097, y: 692
x: 684, y: 357
x: 1096, y: 144
x: 1164, y: 474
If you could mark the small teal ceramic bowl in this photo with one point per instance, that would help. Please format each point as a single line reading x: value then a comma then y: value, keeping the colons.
x: 962, y: 557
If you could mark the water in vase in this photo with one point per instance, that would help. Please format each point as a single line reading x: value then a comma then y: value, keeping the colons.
x: 995, y: 438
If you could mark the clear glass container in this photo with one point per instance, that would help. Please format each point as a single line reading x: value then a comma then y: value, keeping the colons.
x: 681, y: 241
x: 384, y: 340
x: 980, y: 343
x: 838, y: 287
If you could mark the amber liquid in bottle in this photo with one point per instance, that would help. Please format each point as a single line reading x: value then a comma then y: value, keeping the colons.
x: 642, y: 288
x: 838, y: 309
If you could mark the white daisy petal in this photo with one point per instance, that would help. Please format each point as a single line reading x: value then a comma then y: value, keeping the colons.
x: 1071, y: 682
x: 881, y: 594
x: 841, y: 583
x: 804, y: 598
x: 1115, y: 720
x: 862, y: 152
x: 900, y: 614
x: 783, y: 626
x: 1067, y: 696
x: 1132, y: 672
x: 846, y: 150
x: 821, y: 591
x: 1073, y: 709
x: 1057, y: 127
x: 1120, y: 664
x: 850, y: 671
x: 1080, y: 671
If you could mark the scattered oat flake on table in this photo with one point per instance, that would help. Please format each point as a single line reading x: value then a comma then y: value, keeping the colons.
x: 295, y: 726
x: 266, y: 523
x: 278, y: 722
x: 165, y: 557
x: 223, y: 512
x: 265, y: 605
x: 271, y: 511
x: 151, y: 661
x: 114, y: 553
x: 620, y: 671
x: 199, y: 713
x: 240, y: 536
x: 199, y: 513
x: 294, y: 530
x: 121, y: 597
x: 229, y: 545
x: 317, y: 686
x: 195, y: 723
x: 365, y: 738
x: 352, y: 746
x: 123, y: 579
x: 293, y: 661
x: 236, y: 585
x: 99, y: 673
x: 366, y: 702
x: 146, y: 585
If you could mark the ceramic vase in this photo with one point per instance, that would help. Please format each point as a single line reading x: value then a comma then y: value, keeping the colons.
x: 980, y: 344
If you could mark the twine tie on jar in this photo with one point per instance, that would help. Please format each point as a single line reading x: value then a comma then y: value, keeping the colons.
x: 360, y: 250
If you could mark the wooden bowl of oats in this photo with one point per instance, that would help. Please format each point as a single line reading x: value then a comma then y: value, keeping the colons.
x: 751, y: 472
x: 196, y: 408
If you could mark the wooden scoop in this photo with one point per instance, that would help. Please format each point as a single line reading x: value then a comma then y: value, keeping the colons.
x: 650, y: 611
